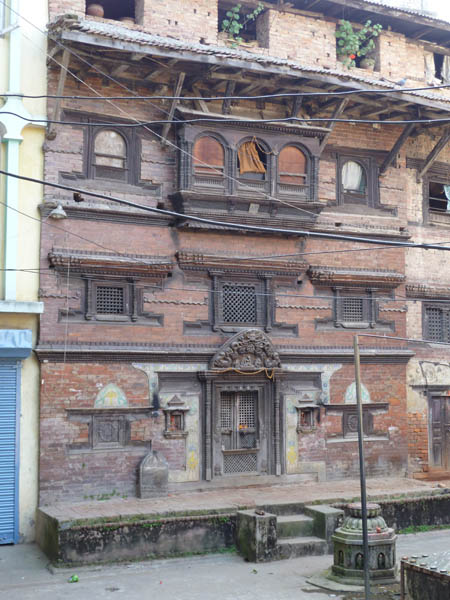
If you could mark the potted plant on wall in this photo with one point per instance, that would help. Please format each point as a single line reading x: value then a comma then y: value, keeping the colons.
x: 234, y: 22
x: 355, y: 48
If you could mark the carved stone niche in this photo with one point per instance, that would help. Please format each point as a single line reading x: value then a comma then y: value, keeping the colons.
x: 175, y: 422
x: 249, y: 350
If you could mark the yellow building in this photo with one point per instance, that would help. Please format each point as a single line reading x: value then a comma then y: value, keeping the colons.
x: 23, y: 46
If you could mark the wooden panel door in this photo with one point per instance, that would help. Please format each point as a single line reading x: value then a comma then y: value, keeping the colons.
x: 440, y: 431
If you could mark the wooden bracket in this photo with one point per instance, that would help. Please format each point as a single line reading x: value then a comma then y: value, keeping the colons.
x: 175, y: 101
x: 408, y: 129
x: 330, y: 125
x: 51, y: 132
x: 430, y: 159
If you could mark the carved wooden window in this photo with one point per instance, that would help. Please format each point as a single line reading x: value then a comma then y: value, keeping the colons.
x: 437, y: 322
x: 239, y: 303
x: 208, y: 162
x: 292, y: 169
x: 355, y: 308
x: 110, y: 155
x: 110, y: 301
x: 357, y: 180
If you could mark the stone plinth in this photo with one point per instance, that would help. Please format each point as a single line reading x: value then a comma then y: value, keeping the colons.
x: 348, y: 564
x: 153, y: 477
x: 256, y: 535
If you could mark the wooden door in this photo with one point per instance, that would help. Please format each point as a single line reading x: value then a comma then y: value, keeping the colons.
x: 440, y: 431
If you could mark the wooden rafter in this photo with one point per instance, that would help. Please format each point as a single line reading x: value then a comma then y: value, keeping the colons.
x: 199, y: 104
x: 330, y: 125
x: 296, y: 105
x: 229, y: 91
x: 177, y: 92
x: 408, y: 129
x: 59, y: 92
x: 430, y: 159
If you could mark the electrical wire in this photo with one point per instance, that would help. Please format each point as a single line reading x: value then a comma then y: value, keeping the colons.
x: 240, y: 120
x: 234, y: 97
x: 238, y: 226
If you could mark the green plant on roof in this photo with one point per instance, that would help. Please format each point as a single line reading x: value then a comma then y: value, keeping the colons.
x: 353, y: 43
x: 234, y: 22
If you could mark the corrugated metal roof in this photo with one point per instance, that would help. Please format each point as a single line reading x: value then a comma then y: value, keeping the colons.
x: 405, y: 9
x: 119, y: 32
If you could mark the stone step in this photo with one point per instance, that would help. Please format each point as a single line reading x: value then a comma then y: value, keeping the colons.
x: 300, y: 546
x: 292, y: 526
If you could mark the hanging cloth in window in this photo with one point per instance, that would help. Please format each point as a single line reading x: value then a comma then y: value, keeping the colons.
x: 447, y: 195
x: 446, y: 70
x: 249, y: 161
x: 429, y: 67
x: 352, y: 177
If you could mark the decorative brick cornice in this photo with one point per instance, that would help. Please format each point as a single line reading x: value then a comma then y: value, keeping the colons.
x: 101, y: 263
x: 374, y: 278
x: 420, y: 290
x: 204, y: 262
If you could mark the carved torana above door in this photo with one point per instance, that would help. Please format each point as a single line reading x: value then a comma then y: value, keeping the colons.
x: 248, y: 350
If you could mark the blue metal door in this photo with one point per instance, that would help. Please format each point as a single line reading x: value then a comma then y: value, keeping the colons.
x: 9, y: 451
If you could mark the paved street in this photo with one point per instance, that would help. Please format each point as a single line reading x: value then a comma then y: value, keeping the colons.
x: 25, y: 576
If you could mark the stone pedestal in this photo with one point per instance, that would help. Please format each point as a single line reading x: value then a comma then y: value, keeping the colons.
x: 153, y: 476
x: 348, y: 564
x: 256, y: 535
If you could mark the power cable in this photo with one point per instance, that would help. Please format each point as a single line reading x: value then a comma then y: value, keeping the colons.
x: 239, y: 120
x: 238, y: 226
x: 234, y: 97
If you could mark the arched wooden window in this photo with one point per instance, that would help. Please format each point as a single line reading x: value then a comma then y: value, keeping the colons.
x: 110, y: 155
x: 209, y: 157
x: 353, y: 178
x: 252, y: 160
x: 292, y: 166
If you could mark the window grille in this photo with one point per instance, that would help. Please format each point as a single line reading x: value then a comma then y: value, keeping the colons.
x: 239, y: 304
x: 225, y: 410
x: 247, y: 410
x: 240, y: 463
x: 437, y: 324
x: 352, y: 310
x: 110, y: 300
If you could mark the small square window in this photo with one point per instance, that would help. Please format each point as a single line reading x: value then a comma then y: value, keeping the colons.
x: 355, y: 308
x: 110, y: 300
x: 239, y: 304
x: 438, y: 197
x: 350, y: 423
x: 437, y: 323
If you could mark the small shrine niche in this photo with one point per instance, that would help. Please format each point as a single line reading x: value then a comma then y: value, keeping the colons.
x: 308, y: 412
x: 175, y: 421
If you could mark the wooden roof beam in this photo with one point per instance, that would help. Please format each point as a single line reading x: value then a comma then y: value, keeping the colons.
x: 396, y: 147
x: 229, y: 91
x: 431, y: 158
x: 65, y: 60
x: 173, y: 105
x: 336, y: 114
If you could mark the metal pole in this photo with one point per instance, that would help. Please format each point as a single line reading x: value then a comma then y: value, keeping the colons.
x: 362, y: 474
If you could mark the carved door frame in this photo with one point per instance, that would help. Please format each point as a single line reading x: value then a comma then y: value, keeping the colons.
x: 271, y: 418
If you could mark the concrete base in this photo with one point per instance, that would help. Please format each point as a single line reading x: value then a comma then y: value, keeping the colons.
x: 323, y: 580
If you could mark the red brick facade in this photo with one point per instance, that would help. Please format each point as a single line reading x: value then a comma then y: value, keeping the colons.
x: 165, y: 279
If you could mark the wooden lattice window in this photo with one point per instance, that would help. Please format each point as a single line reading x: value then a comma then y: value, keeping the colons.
x: 239, y: 303
x: 437, y: 323
x: 110, y: 300
x: 355, y: 308
x: 209, y: 157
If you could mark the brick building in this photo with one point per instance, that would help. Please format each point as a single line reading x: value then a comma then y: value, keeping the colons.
x: 229, y: 351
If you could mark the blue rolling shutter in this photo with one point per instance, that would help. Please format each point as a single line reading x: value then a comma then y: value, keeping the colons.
x: 9, y: 452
